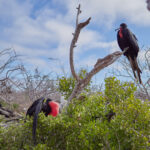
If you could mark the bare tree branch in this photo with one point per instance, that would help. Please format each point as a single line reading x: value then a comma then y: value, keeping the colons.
x: 74, y: 40
x: 147, y: 57
x: 100, y: 64
x: 36, y: 84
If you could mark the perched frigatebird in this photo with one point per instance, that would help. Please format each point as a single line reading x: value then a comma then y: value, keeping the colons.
x: 126, y: 39
x: 47, y: 106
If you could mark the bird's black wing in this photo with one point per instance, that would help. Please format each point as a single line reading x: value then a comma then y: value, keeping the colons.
x: 38, y: 109
x: 31, y: 109
x: 132, y: 40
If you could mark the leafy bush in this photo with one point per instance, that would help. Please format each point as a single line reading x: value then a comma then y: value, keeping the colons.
x: 85, y: 126
x: 67, y: 84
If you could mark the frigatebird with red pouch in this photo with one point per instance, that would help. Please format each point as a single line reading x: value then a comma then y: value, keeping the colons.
x: 127, y: 40
x: 47, y: 106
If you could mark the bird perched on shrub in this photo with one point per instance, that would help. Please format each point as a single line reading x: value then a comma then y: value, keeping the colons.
x: 47, y: 106
x: 127, y: 40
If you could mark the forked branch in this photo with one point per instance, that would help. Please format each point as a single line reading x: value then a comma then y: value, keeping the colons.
x: 100, y: 64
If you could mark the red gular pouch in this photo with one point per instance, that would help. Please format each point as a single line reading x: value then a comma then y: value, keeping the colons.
x: 54, y: 108
x: 120, y: 33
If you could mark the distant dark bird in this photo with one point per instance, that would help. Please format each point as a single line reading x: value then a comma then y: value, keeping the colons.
x: 47, y: 106
x: 126, y: 39
x: 148, y: 4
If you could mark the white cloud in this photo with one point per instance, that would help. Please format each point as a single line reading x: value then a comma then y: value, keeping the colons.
x: 61, y: 31
x: 107, y: 11
x: 49, y: 37
x: 13, y: 10
x: 49, y: 32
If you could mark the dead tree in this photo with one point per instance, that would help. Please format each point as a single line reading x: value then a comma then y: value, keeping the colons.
x: 9, y: 66
x: 36, y: 84
x: 7, y: 113
x: 100, y: 64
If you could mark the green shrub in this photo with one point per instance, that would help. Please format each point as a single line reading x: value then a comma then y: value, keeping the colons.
x: 85, y: 126
x: 67, y: 84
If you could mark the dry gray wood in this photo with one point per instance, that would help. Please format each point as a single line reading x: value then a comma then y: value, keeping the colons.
x: 6, y: 112
x: 100, y: 64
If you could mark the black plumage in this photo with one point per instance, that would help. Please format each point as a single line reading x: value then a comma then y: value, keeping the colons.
x: 126, y: 39
x: 39, y: 105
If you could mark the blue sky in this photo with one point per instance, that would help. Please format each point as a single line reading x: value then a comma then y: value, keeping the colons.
x: 42, y: 29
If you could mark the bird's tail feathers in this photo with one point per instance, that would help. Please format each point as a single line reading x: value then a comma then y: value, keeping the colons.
x: 138, y: 71
x: 135, y: 68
